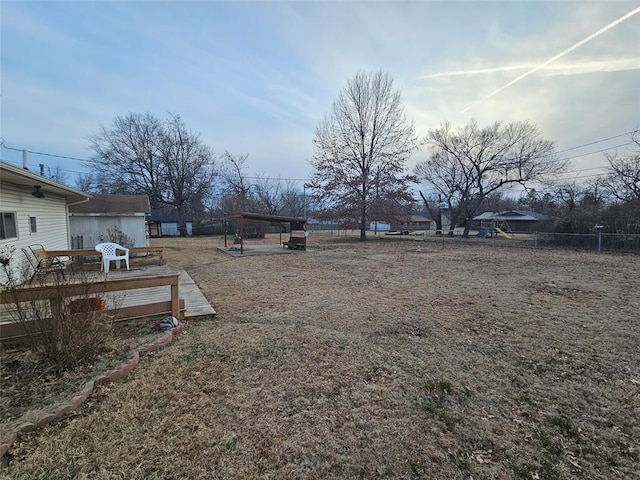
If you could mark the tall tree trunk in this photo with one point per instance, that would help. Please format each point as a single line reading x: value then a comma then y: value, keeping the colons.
x: 182, y: 221
x: 434, y: 216
x: 363, y: 213
x: 467, y: 227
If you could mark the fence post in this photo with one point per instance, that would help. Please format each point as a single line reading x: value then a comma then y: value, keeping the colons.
x: 535, y: 239
x: 600, y: 241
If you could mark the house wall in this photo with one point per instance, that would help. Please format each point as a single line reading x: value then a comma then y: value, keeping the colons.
x: 416, y: 225
x: 88, y: 230
x: 51, y: 222
x: 379, y: 226
x: 170, y: 229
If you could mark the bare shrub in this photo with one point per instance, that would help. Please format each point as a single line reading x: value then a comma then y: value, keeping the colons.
x: 115, y: 235
x: 69, y: 327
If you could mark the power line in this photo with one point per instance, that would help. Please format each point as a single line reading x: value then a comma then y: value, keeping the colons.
x: 46, y: 154
x: 19, y: 164
x: 561, y: 151
x: 599, y: 141
x: 66, y: 157
x: 599, y: 151
x: 584, y: 176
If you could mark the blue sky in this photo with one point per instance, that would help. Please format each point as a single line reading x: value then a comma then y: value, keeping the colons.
x: 257, y: 77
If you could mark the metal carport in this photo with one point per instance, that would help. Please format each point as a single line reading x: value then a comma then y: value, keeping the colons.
x: 296, y: 224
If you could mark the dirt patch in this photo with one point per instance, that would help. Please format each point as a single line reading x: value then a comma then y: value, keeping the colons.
x: 371, y: 360
x: 29, y: 386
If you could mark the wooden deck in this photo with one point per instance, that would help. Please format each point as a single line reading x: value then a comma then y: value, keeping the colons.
x: 132, y: 302
x: 196, y: 305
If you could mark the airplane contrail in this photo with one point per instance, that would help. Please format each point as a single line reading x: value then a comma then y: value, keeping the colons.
x: 613, y: 65
x: 474, y: 72
x: 556, y: 57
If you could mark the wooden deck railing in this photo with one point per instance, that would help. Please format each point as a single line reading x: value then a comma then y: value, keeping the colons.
x: 91, y: 252
x: 56, y: 294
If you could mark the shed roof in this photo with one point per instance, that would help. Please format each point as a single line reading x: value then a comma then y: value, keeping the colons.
x: 113, y: 203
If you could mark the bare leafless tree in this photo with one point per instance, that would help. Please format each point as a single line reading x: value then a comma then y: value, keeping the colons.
x: 57, y: 174
x: 189, y: 169
x: 361, y: 148
x: 295, y: 202
x: 236, y: 185
x: 127, y: 157
x: 141, y: 154
x: 623, y: 180
x: 468, y: 164
x: 86, y: 182
x: 268, y: 194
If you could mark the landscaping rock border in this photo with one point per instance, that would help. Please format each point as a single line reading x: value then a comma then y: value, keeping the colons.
x: 60, y: 410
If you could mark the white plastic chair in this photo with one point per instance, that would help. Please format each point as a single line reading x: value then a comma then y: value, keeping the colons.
x: 109, y: 252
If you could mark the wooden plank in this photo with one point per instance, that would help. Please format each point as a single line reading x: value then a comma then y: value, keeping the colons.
x: 158, y: 250
x: 137, y: 311
x: 47, y: 292
x: 15, y: 329
x: 56, y: 293
x: 82, y: 252
x: 133, y: 301
x: 91, y: 252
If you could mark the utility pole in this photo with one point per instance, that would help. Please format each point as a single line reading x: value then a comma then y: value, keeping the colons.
x: 304, y: 190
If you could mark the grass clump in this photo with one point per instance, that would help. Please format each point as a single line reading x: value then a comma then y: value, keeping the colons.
x: 438, y: 401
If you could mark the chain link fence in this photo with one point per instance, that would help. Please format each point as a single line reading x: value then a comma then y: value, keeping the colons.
x: 600, y: 242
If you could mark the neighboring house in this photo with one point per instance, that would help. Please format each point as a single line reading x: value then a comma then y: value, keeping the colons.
x: 416, y: 222
x: 379, y: 227
x: 110, y: 218
x: 164, y: 222
x: 33, y: 210
x: 516, y: 221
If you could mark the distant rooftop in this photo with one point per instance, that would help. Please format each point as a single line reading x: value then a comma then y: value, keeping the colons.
x: 510, y: 216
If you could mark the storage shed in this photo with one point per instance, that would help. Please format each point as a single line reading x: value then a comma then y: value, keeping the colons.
x: 109, y: 218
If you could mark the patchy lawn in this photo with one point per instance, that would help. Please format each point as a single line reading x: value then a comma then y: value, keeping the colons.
x: 352, y: 360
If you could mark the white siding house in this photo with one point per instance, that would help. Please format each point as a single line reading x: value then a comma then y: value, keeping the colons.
x: 110, y: 218
x: 33, y: 210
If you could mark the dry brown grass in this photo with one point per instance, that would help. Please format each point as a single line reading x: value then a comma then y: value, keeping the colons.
x: 371, y: 360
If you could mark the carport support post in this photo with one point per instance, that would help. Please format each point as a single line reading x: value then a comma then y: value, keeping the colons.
x: 241, y: 235
x: 225, y: 231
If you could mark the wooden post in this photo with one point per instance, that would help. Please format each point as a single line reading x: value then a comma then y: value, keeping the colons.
x: 175, y: 300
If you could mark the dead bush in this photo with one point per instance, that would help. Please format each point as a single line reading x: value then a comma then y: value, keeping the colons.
x: 63, y: 330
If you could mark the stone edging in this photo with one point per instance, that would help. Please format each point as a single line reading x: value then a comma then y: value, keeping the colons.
x: 61, y: 410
